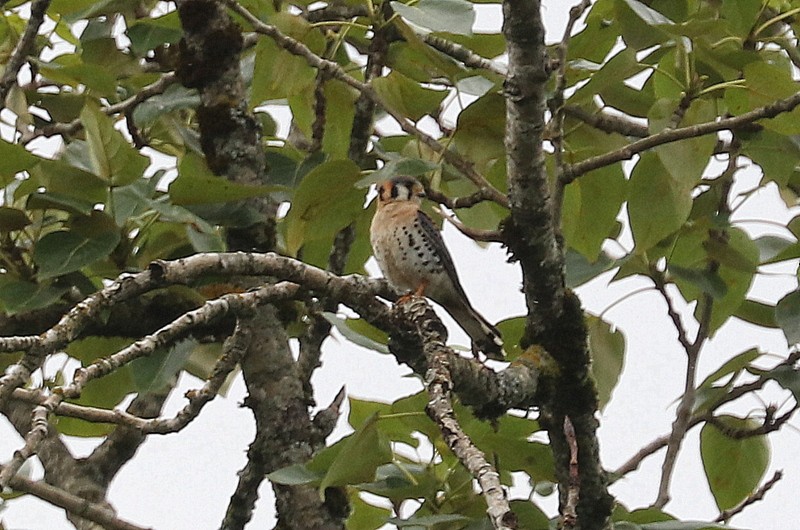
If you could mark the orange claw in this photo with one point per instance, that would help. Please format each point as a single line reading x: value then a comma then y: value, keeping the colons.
x: 419, y: 291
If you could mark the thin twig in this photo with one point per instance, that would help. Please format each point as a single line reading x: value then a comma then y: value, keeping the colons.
x: 756, y: 496
x: 72, y: 503
x: 673, y: 135
x: 570, y: 514
x: 476, y: 234
x: 683, y: 415
x: 13, y: 344
x: 556, y: 104
x: 169, y: 334
x: 23, y: 49
x: 463, y: 54
x: 124, y: 106
x: 335, y: 71
x: 607, y: 122
x: 467, y: 201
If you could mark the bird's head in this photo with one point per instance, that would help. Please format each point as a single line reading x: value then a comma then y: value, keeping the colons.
x: 400, y: 189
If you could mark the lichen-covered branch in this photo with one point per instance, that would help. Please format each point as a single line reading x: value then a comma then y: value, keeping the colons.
x: 440, y: 382
x: 555, y: 319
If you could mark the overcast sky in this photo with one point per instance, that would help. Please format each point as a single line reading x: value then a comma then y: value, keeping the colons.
x: 183, y: 481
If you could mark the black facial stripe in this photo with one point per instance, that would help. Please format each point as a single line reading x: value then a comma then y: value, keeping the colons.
x: 395, y: 191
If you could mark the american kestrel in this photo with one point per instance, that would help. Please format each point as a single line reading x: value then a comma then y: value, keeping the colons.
x: 411, y: 253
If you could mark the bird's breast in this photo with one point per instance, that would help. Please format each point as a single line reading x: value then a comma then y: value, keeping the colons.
x: 405, y: 253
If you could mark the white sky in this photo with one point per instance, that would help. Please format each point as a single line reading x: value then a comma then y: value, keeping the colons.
x: 183, y: 481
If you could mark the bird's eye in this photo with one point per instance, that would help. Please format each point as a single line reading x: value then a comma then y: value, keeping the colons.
x: 395, y: 191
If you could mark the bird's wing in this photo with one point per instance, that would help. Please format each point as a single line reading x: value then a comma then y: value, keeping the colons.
x: 433, y: 235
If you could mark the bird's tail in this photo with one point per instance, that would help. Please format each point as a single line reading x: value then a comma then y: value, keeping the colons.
x: 485, y: 336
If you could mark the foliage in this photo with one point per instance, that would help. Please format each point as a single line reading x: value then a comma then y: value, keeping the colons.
x: 126, y: 183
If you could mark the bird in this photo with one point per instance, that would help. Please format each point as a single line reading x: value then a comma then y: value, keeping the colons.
x: 412, y: 255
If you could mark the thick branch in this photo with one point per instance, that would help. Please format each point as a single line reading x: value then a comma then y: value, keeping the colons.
x: 555, y: 319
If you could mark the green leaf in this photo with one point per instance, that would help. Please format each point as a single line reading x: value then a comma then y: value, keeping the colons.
x: 12, y: 219
x: 360, y: 332
x: 105, y: 392
x: 733, y: 467
x: 175, y: 97
x: 529, y: 515
x: 19, y: 296
x: 325, y: 202
x: 580, y: 270
x: 416, y: 60
x: 741, y: 15
x: 621, y: 66
x: 649, y: 16
x: 58, y: 201
x: 512, y: 330
x: 657, y: 206
x: 591, y: 205
x: 69, y: 70
x: 294, y: 475
x: 148, y: 34
x: 480, y: 129
x: 63, y: 178
x: 757, y: 313
x: 197, y: 185
x: 787, y: 314
x: 485, y: 44
x: 427, y: 521
x: 406, y: 96
x: 403, y: 480
x: 277, y: 73
x: 154, y: 372
x: 90, y: 240
x: 111, y: 157
x: 340, y: 102
x: 452, y: 16
x: 776, y: 153
x: 771, y: 247
x: 360, y: 455
x: 608, y: 356
x: 734, y: 365
x: 684, y: 160
x: 397, y: 165
x: 13, y: 159
x: 766, y: 83
x: 685, y: 525
x: 788, y: 377
x: 365, y: 516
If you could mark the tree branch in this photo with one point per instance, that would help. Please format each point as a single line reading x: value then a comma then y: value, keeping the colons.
x: 683, y: 415
x: 23, y: 48
x: 753, y: 498
x: 439, y: 382
x: 165, y: 336
x: 73, y: 504
x: 123, y: 107
x: 463, y: 54
x: 337, y: 72
x: 607, y: 122
x: 555, y: 320
x: 673, y: 135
